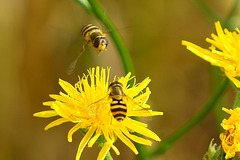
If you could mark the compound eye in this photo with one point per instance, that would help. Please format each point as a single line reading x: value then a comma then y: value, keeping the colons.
x: 97, y: 42
x: 100, y: 42
x: 105, y: 41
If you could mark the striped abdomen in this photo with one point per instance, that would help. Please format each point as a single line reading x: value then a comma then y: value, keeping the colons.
x: 88, y: 28
x: 118, y: 109
x: 95, y: 37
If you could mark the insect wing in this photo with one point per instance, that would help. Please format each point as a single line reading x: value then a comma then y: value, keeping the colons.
x: 94, y: 108
x: 73, y: 65
x: 137, y: 109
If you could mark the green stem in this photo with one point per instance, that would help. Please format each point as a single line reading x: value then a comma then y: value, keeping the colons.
x: 235, y: 9
x: 108, y: 156
x: 206, y: 10
x: 214, y: 83
x: 101, y: 142
x: 143, y: 152
x: 85, y: 4
x: 117, y: 39
x: 167, y: 143
x: 237, y: 100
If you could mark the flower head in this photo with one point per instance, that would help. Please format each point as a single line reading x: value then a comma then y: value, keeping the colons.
x: 231, y: 137
x: 224, y: 52
x: 88, y: 105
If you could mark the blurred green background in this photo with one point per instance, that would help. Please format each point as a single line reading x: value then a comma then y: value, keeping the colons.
x: 39, y: 40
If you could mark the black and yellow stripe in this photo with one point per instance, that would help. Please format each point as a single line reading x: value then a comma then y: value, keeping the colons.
x: 95, y: 37
x: 90, y: 28
x: 118, y: 109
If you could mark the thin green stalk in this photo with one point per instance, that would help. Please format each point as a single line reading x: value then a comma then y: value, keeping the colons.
x: 108, y: 156
x: 143, y: 152
x: 232, y: 14
x: 117, y: 39
x: 167, y: 143
x: 237, y: 100
x: 214, y: 83
x: 85, y: 4
x: 101, y: 142
x: 206, y: 10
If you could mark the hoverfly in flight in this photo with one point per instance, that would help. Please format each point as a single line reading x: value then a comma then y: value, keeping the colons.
x: 93, y: 37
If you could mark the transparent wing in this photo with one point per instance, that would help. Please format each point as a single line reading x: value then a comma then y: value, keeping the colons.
x: 94, y: 108
x: 137, y: 108
x: 74, y: 63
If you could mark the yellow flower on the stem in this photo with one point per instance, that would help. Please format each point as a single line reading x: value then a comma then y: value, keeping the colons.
x: 224, y: 52
x: 231, y: 137
x: 88, y: 106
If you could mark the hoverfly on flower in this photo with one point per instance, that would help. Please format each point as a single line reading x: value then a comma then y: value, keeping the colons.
x: 88, y: 106
x: 119, y: 102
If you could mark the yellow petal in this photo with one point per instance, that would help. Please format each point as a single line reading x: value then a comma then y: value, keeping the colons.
x: 219, y: 29
x: 56, y: 123
x: 143, y: 98
x: 234, y: 80
x: 124, y: 80
x: 70, y: 102
x: 67, y: 112
x: 45, y: 114
x: 92, y: 77
x: 135, y: 90
x: 62, y: 98
x: 69, y: 89
x: 229, y: 111
x: 203, y: 53
x: 136, y: 138
x: 140, y: 129
x: 115, y: 150
x: 125, y: 140
x: 105, y: 131
x: 104, y: 151
x: 143, y: 84
x: 107, y: 80
x: 134, y: 122
x: 145, y: 113
x: 87, y: 88
x: 73, y: 130
x: 49, y: 103
x: 93, y: 140
x: 95, y: 137
x: 84, y: 141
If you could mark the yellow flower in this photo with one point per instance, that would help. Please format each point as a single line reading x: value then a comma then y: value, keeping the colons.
x: 224, y: 52
x: 88, y: 106
x: 231, y: 137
